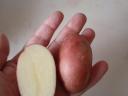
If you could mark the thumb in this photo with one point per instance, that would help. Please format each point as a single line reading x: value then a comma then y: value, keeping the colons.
x: 4, y: 49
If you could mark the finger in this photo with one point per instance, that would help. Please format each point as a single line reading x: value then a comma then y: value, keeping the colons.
x: 98, y: 71
x: 4, y: 49
x: 44, y: 34
x: 9, y: 72
x: 89, y: 34
x: 74, y: 26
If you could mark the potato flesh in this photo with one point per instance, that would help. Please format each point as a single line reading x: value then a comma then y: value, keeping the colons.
x: 36, y: 72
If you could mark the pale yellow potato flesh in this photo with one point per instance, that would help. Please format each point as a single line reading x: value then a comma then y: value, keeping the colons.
x: 36, y: 72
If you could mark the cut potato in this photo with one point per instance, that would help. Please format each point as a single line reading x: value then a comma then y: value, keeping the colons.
x: 36, y: 72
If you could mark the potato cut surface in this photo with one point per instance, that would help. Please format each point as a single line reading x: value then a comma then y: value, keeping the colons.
x: 36, y: 72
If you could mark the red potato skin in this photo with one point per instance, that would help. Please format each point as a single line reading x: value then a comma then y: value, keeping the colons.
x: 75, y: 63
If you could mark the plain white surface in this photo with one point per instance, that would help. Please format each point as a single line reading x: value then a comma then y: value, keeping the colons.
x: 109, y: 18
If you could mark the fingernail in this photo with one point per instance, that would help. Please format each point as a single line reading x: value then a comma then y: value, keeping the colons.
x: 89, y: 32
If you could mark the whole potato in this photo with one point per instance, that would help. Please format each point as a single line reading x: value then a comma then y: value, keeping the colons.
x: 75, y: 63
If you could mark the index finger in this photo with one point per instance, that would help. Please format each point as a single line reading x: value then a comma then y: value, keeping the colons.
x: 45, y: 32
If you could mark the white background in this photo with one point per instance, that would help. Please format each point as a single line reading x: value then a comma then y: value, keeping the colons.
x: 109, y: 18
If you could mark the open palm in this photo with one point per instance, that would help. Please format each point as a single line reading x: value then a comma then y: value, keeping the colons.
x: 8, y: 81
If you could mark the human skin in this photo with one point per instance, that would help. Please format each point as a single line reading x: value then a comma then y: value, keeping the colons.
x: 8, y: 81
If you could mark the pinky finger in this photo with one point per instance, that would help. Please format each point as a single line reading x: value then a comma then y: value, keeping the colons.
x: 98, y: 71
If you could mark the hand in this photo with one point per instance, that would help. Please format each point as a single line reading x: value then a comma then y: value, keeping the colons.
x: 8, y: 81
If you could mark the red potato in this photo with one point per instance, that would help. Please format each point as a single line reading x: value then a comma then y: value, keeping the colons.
x: 75, y: 63
x: 36, y: 72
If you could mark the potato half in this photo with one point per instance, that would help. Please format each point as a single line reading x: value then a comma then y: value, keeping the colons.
x: 36, y: 72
